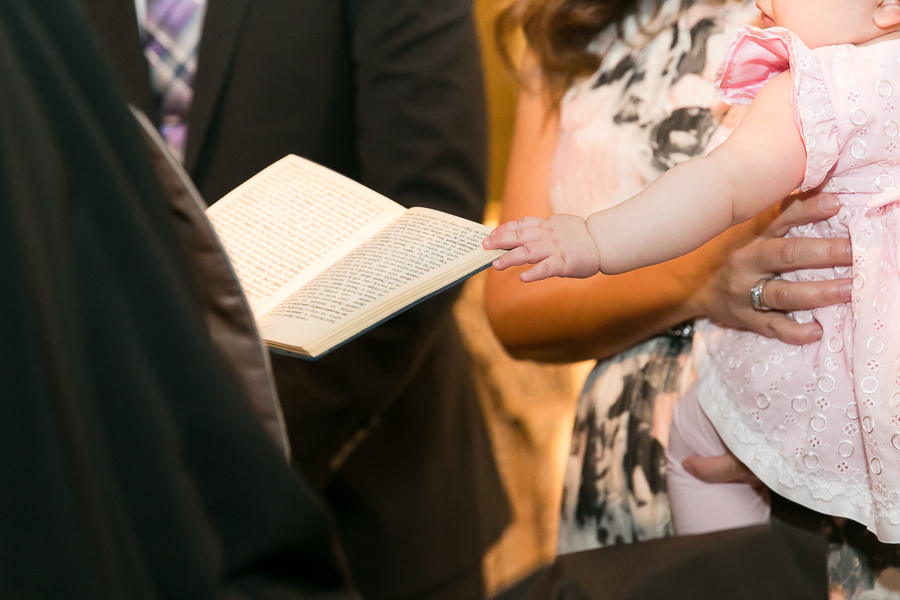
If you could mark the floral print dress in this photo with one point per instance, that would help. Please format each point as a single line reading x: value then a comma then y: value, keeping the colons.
x: 652, y: 104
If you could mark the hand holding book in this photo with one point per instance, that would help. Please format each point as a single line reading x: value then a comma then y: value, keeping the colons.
x: 322, y: 258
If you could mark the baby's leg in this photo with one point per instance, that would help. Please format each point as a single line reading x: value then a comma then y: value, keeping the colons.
x: 699, y: 507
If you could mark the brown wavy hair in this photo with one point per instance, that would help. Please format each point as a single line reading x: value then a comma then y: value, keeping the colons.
x: 559, y: 32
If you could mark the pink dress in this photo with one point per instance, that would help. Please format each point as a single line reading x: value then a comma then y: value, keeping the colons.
x: 820, y: 424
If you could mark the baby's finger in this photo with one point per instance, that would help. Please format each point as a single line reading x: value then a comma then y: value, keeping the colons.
x: 522, y: 255
x: 512, y: 238
x: 492, y: 241
x: 518, y: 224
x: 551, y: 265
x: 542, y: 270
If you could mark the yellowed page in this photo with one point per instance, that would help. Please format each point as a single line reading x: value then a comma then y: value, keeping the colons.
x: 287, y: 223
x: 422, y: 251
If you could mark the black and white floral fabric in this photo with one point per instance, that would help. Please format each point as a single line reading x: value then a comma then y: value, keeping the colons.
x: 652, y: 104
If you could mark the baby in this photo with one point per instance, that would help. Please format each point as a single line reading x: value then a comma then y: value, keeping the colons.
x: 819, y: 424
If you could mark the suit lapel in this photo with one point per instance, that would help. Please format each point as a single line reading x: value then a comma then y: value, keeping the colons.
x: 221, y: 29
x: 116, y: 22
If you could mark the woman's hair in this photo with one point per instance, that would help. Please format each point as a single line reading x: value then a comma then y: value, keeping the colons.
x: 559, y: 32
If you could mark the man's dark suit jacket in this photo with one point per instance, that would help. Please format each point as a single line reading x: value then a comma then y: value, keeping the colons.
x: 132, y: 466
x: 388, y: 92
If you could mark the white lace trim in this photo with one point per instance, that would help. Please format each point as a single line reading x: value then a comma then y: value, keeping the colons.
x: 851, y: 498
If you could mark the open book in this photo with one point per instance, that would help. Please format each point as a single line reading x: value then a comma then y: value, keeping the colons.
x: 322, y: 258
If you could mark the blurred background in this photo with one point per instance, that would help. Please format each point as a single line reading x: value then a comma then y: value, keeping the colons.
x: 529, y: 407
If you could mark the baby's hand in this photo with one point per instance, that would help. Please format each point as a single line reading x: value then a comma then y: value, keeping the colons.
x: 560, y: 247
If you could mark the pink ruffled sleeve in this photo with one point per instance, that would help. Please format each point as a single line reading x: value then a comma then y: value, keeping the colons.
x: 755, y: 57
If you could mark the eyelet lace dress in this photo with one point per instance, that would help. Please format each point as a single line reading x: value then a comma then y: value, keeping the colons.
x: 820, y: 424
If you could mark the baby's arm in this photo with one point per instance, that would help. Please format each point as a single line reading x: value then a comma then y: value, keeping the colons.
x: 758, y: 165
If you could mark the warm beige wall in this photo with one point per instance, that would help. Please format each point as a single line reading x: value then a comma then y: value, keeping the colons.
x: 501, y: 97
x: 528, y: 407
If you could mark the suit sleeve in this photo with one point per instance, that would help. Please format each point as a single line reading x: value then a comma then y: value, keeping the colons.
x: 421, y: 118
x: 420, y: 102
x: 421, y: 140
x: 422, y: 134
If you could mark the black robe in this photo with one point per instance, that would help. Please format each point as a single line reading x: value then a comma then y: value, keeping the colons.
x: 131, y: 465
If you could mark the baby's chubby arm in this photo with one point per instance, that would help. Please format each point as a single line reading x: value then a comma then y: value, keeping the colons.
x: 761, y: 162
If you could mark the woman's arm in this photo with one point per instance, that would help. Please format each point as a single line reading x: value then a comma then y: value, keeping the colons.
x: 561, y: 320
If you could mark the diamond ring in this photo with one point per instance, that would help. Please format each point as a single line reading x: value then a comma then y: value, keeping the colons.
x: 756, y: 294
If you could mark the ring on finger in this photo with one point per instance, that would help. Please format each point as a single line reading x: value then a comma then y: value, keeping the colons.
x: 756, y: 294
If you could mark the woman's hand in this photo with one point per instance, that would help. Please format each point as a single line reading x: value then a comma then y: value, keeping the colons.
x: 720, y: 469
x: 726, y: 296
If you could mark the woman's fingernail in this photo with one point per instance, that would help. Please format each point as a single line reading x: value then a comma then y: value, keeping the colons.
x: 817, y: 335
x: 846, y: 292
x: 828, y: 202
x: 686, y: 464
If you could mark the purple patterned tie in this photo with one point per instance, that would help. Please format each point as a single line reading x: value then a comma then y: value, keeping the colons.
x: 171, y: 37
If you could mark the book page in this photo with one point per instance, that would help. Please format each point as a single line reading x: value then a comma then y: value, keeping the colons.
x: 414, y: 247
x: 287, y: 223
